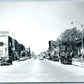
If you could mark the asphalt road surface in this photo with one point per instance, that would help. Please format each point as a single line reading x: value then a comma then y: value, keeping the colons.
x: 35, y: 70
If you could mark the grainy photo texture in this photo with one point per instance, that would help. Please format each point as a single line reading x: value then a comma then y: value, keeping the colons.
x: 42, y: 41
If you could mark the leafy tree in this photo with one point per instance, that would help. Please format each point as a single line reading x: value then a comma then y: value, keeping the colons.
x: 70, y: 35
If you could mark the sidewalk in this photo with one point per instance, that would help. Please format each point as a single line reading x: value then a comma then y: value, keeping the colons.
x: 77, y: 62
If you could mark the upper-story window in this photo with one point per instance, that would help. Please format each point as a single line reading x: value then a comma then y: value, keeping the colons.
x: 1, y: 43
x: 10, y: 44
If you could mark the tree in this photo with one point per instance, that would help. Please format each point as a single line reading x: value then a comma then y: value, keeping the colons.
x: 70, y: 35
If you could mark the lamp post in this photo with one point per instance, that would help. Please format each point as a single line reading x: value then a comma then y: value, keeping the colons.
x: 81, y: 37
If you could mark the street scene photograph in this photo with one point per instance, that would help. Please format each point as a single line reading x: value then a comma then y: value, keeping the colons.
x: 42, y: 41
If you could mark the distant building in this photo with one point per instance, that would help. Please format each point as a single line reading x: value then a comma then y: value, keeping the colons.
x: 52, y: 45
x: 28, y: 50
x: 53, y: 50
x: 21, y: 47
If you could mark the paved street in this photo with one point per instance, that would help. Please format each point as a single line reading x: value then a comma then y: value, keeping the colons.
x: 34, y: 70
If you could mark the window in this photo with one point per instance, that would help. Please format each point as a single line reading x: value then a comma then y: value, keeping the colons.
x: 10, y: 44
x: 1, y: 43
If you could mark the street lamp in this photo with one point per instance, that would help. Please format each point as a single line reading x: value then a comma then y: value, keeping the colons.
x: 82, y: 36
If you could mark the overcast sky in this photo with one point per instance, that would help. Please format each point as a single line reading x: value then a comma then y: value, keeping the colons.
x: 35, y: 23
